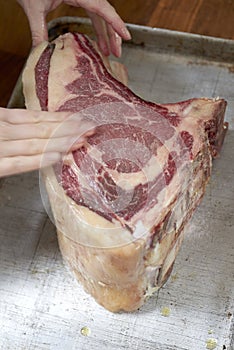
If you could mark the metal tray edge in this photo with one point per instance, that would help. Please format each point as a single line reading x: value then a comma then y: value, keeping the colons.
x: 163, y: 40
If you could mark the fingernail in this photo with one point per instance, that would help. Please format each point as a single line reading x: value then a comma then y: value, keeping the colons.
x: 89, y: 132
x: 118, y: 51
x: 117, y: 48
x: 77, y: 146
x: 73, y: 142
x: 82, y: 129
x: 126, y: 34
x: 77, y: 140
x: 86, y: 130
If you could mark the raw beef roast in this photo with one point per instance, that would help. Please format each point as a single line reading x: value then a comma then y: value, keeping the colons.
x: 120, y: 203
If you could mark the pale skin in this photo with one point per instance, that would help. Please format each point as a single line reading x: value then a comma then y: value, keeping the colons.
x: 33, y: 139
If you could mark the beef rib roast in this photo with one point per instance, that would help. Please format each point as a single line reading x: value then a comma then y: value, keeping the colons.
x: 121, y: 201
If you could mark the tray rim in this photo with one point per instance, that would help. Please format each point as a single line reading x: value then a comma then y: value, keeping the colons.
x: 209, y: 44
x: 84, y: 20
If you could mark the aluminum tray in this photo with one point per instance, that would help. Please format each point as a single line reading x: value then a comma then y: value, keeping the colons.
x: 43, y: 307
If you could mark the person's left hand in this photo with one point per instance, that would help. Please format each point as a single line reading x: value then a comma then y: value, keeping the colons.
x: 108, y: 26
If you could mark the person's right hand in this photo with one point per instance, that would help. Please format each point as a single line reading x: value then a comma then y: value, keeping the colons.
x: 107, y: 24
x: 33, y: 139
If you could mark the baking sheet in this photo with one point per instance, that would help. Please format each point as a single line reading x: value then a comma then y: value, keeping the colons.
x: 43, y: 307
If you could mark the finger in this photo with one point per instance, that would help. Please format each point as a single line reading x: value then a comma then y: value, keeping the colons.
x: 36, y: 11
x: 45, y: 130
x: 108, y: 40
x: 101, y: 33
x: 106, y: 11
x: 76, y: 146
x: 38, y: 26
x: 24, y: 116
x: 115, y: 41
x: 21, y: 164
x: 39, y: 146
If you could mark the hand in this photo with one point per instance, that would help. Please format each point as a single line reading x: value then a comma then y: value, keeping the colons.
x: 108, y: 25
x: 30, y: 140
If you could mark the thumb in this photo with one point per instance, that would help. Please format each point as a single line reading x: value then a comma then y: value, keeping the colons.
x: 38, y: 26
x: 35, y: 11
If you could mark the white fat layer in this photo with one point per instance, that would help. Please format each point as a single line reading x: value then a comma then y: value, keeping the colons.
x: 28, y: 78
x: 128, y: 181
x: 153, y: 216
x: 149, y: 172
x: 62, y: 72
x: 140, y: 230
x: 81, y: 224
